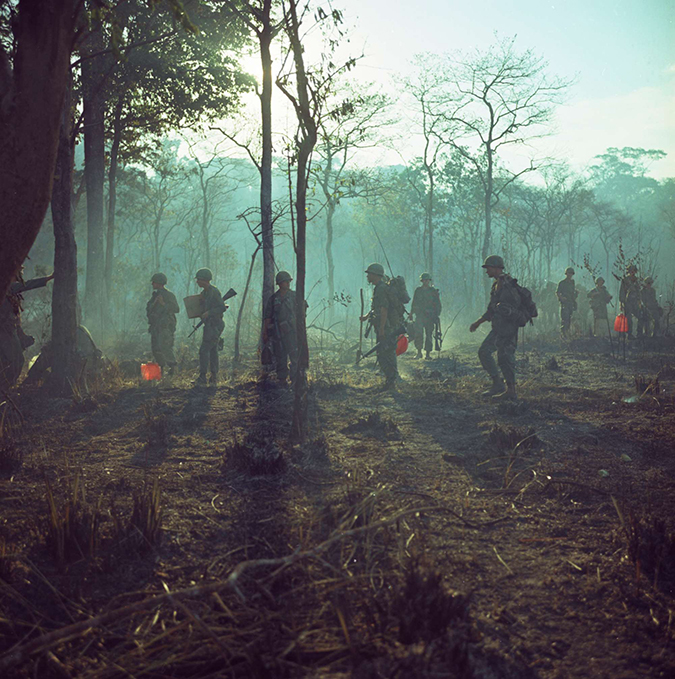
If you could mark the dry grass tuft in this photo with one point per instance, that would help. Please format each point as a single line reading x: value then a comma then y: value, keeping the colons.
x: 507, y: 438
x: 375, y: 425
x: 157, y: 428
x: 72, y: 531
x: 258, y: 455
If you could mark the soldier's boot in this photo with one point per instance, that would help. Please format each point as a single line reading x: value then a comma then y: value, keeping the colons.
x: 200, y: 381
x: 213, y: 380
x: 428, y: 356
x: 509, y: 394
x: 496, y: 388
x: 419, y: 354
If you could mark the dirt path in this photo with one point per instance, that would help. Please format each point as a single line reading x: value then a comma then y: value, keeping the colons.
x: 519, y: 510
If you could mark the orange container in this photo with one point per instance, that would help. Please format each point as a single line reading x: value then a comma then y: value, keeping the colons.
x: 151, y: 371
x: 401, y: 345
x: 621, y: 323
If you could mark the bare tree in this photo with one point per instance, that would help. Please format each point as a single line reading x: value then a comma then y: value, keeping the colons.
x: 496, y: 99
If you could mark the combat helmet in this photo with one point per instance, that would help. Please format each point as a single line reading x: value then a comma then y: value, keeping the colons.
x: 631, y: 268
x: 376, y: 269
x: 204, y: 274
x: 569, y: 269
x: 494, y: 261
x: 599, y: 279
x: 283, y: 276
x: 425, y: 276
x: 159, y: 278
x: 649, y: 280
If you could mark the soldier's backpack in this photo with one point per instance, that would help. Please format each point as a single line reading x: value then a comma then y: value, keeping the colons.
x: 398, y: 293
x: 528, y: 309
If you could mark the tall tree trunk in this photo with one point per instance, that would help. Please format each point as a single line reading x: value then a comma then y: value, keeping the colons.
x: 205, y: 219
x: 31, y: 99
x: 112, y: 196
x: 267, y: 234
x: 430, y: 222
x: 329, y: 251
x: 94, y: 172
x: 64, y: 296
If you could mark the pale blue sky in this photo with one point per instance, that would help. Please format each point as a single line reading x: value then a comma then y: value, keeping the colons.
x: 621, y: 51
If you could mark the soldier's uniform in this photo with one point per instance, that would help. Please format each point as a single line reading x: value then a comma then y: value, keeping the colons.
x: 504, y: 312
x: 630, y: 298
x: 212, y: 302
x: 599, y: 298
x: 650, y: 316
x: 161, y: 311
x: 280, y: 311
x: 567, y: 295
x: 426, y: 307
x: 386, y: 352
x: 13, y: 340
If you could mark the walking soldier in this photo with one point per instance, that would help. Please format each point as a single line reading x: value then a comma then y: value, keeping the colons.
x: 567, y: 296
x: 504, y: 312
x: 599, y: 298
x: 214, y: 308
x: 426, y: 307
x: 386, y: 318
x: 630, y: 297
x: 280, y: 324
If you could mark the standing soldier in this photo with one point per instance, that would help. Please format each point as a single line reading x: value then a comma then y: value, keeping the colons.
x: 214, y: 308
x: 567, y: 296
x: 630, y: 296
x: 599, y: 298
x: 426, y: 306
x: 651, y: 311
x: 161, y: 310
x: 280, y: 323
x: 504, y: 311
x: 13, y: 340
x: 385, y: 319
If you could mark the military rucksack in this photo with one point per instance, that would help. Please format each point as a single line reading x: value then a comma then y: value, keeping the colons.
x: 398, y: 293
x: 528, y: 309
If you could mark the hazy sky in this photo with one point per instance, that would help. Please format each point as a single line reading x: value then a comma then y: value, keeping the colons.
x: 622, y: 53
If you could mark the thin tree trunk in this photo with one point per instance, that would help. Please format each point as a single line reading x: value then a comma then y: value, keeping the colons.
x: 64, y: 296
x: 112, y: 196
x: 94, y: 171
x: 329, y: 251
x: 237, y: 331
x: 267, y: 236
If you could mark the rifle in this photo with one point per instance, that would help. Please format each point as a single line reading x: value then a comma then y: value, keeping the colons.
x: 359, y: 351
x: 228, y: 295
x: 438, y: 335
x: 389, y: 340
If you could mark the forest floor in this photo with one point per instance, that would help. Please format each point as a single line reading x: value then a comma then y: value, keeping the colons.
x: 425, y: 532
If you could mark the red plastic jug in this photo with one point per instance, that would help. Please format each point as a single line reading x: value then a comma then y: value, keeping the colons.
x: 401, y: 345
x: 621, y: 323
x: 151, y: 371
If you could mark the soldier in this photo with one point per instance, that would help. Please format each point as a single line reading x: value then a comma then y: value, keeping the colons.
x: 13, y: 340
x: 599, y: 298
x: 567, y: 296
x: 630, y: 296
x: 504, y: 312
x: 385, y: 319
x: 651, y: 311
x: 161, y: 311
x: 280, y: 323
x: 426, y: 306
x: 214, y: 308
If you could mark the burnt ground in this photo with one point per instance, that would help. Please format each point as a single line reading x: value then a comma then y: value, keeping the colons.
x: 421, y: 533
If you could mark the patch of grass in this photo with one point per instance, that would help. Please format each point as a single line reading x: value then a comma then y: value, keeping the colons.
x: 257, y: 455
x: 72, y: 531
x: 507, y: 438
x: 156, y: 428
x: 375, y: 425
x: 6, y: 559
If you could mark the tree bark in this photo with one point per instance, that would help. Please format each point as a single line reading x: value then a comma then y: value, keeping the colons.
x: 64, y: 295
x: 112, y: 196
x: 265, y: 37
x: 94, y: 172
x: 31, y: 99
